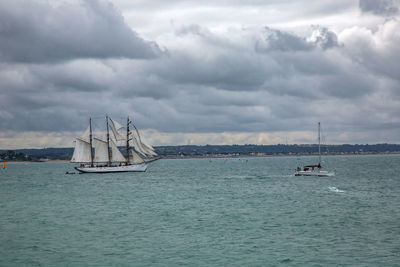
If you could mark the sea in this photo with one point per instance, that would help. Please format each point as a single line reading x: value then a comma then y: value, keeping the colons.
x: 203, y: 212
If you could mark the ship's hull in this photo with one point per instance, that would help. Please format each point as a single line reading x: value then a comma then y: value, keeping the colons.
x: 314, y: 173
x: 110, y: 169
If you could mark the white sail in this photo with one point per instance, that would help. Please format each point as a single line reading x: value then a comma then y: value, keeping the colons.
x: 146, y: 145
x: 137, y: 146
x: 147, y: 149
x: 136, y: 158
x: 116, y: 154
x: 117, y: 135
x: 116, y: 125
x: 81, y: 152
x: 86, y: 135
x: 142, y: 148
x: 100, y: 150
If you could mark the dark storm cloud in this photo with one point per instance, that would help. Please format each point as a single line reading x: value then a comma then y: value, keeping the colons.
x: 224, y: 85
x: 317, y: 79
x: 379, y: 7
x: 348, y: 85
x: 78, y: 75
x: 222, y: 71
x: 277, y: 40
x: 32, y: 31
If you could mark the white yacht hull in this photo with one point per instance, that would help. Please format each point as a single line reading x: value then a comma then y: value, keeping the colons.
x: 314, y: 173
x: 109, y: 169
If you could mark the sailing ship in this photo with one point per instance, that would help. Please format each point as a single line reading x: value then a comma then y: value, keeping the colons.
x: 314, y: 170
x: 107, y: 157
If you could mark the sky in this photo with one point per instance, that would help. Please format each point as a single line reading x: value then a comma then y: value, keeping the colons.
x: 200, y: 72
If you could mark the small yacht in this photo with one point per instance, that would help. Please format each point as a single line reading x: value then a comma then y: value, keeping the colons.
x: 314, y: 170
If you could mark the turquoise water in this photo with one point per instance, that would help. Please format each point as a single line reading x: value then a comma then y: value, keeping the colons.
x: 192, y: 212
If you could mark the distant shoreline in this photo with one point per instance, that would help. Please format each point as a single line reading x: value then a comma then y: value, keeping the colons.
x: 277, y: 156
x: 231, y: 157
x: 34, y: 161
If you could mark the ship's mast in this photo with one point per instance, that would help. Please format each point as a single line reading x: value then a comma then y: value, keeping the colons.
x: 127, y: 141
x: 319, y: 143
x: 90, y: 141
x: 108, y: 143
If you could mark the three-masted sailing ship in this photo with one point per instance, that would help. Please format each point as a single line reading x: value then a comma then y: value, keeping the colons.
x: 107, y: 157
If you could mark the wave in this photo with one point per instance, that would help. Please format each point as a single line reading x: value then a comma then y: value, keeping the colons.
x: 335, y: 189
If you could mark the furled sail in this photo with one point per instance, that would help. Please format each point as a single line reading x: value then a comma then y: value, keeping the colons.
x: 100, y: 150
x: 136, y: 158
x: 81, y: 151
x: 116, y: 154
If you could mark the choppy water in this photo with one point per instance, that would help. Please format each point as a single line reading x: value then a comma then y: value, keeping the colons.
x: 250, y: 212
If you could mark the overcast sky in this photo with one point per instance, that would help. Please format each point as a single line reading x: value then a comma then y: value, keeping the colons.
x: 200, y: 72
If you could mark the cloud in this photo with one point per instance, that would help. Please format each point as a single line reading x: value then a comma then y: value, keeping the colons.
x: 38, y: 32
x: 377, y: 51
x: 225, y: 85
x: 242, y: 82
x: 379, y: 7
x: 323, y: 37
x: 277, y: 40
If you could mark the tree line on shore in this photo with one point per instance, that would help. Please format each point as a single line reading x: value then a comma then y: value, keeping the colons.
x: 213, y: 150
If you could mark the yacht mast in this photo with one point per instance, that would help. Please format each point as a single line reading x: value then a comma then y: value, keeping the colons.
x: 108, y: 143
x: 90, y: 141
x: 319, y: 143
x: 127, y: 141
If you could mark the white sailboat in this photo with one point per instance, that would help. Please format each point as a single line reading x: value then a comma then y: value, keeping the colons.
x: 314, y: 170
x: 107, y: 157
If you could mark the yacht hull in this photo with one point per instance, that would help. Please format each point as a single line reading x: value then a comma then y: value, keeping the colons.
x: 314, y: 173
x: 111, y: 169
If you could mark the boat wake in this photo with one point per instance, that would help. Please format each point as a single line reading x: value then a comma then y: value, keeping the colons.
x: 335, y: 189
